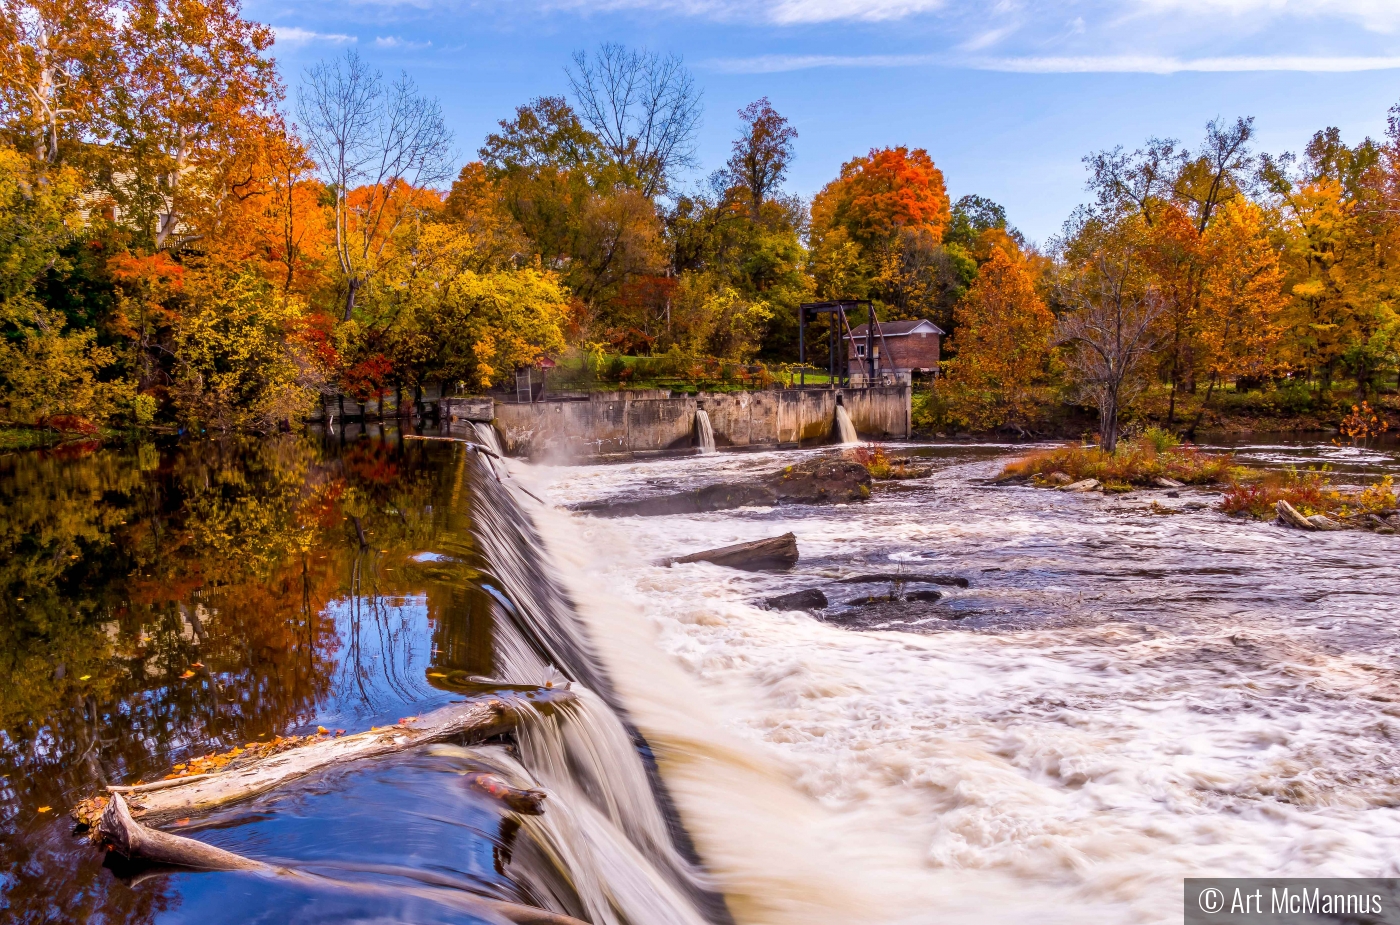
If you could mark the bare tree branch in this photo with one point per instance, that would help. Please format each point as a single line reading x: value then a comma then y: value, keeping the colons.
x: 389, y: 142
x: 645, y: 108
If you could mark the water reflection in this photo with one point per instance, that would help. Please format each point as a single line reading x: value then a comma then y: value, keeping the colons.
x: 158, y: 603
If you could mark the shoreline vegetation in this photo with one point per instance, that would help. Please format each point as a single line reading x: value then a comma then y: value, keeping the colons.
x: 1309, y: 499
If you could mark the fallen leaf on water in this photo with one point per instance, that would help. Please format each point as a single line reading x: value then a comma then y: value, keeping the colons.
x: 85, y: 677
x: 340, y: 732
x: 188, y: 674
x: 320, y: 730
x: 436, y: 674
x: 44, y: 809
x: 185, y: 821
x: 197, y: 665
x: 407, y: 719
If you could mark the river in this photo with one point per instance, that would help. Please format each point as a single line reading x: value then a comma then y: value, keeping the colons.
x: 1120, y: 697
x: 1118, y: 700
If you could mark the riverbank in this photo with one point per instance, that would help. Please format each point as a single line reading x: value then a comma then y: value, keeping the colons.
x: 1295, y: 410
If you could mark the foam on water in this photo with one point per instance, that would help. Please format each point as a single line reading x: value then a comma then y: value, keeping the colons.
x: 1151, y: 697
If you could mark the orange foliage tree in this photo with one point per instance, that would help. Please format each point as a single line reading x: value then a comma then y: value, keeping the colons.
x: 878, y: 227
x: 1002, y: 345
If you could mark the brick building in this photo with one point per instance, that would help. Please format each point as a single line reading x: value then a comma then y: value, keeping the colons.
x: 901, y: 348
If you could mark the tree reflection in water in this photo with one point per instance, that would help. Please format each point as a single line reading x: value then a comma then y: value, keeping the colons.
x: 158, y: 603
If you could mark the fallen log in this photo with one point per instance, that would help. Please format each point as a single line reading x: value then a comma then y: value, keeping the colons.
x: 129, y: 838
x: 1288, y: 516
x: 1083, y: 485
x: 774, y: 554
x: 200, y: 793
x: 910, y: 578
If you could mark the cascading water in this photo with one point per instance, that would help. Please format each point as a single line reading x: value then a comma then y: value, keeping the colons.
x: 704, y: 433
x: 486, y: 435
x: 845, y: 430
x: 613, y: 849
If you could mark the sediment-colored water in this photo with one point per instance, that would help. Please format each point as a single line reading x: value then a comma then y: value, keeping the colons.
x: 1121, y: 698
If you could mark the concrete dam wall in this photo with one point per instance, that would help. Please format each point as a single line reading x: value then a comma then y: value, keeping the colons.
x: 646, y: 423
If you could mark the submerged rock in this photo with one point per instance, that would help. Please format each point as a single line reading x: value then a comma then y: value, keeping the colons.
x: 810, y: 599
x: 1162, y: 481
x: 923, y: 595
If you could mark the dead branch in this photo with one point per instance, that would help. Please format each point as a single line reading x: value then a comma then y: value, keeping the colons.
x: 201, y: 793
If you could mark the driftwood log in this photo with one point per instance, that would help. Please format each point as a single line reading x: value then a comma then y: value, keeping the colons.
x: 910, y: 578
x: 774, y: 554
x: 1289, y: 516
x: 199, y: 793
x: 129, y: 838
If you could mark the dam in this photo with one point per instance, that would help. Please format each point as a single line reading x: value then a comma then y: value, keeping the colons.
x: 657, y: 423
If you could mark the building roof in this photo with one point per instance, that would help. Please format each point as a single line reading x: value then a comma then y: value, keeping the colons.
x: 899, y: 328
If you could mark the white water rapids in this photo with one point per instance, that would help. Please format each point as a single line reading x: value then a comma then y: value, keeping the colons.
x: 1127, y: 698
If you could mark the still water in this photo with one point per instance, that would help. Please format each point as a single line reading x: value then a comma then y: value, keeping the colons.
x: 161, y: 603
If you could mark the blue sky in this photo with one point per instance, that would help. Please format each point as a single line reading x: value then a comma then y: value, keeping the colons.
x: 1006, y: 95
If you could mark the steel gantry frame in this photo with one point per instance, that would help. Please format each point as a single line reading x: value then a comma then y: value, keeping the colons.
x: 838, y: 309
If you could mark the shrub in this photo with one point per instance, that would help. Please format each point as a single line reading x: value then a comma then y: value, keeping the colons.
x: 1310, y: 491
x: 1137, y: 462
x: 1161, y: 440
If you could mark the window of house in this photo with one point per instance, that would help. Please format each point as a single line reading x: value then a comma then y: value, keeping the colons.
x: 860, y: 350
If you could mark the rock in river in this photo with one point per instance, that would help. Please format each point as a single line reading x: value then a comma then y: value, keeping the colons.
x: 825, y: 480
x: 810, y: 599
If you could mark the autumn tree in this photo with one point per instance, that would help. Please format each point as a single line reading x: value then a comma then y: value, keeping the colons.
x: 576, y: 206
x: 1339, y: 235
x: 380, y: 147
x: 58, y: 59
x: 195, y: 87
x: 243, y: 360
x: 1242, y: 297
x: 1002, y: 344
x: 643, y: 108
x: 760, y: 155
x: 1111, y: 313
x: 877, y: 232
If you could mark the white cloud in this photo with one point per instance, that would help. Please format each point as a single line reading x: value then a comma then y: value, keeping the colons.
x: 1377, y: 15
x: 779, y: 12
x: 295, y: 35
x: 1091, y: 64
x: 773, y: 64
x: 1154, y: 64
x: 393, y: 41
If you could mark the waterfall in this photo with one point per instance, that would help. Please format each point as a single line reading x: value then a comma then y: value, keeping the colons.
x: 845, y: 430
x: 704, y: 433
x: 486, y: 435
x: 609, y: 848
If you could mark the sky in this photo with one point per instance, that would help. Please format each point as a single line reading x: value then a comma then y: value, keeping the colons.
x: 1007, y: 96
